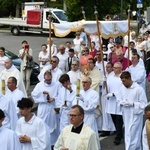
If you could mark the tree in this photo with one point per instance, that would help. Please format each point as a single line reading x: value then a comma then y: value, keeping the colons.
x: 8, y: 6
x: 74, y: 10
x: 103, y: 7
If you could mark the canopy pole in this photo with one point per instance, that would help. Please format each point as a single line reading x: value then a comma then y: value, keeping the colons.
x: 98, y: 31
x: 88, y: 36
x: 50, y: 21
x: 129, y: 35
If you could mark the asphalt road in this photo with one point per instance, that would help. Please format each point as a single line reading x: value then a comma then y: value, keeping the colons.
x: 13, y: 43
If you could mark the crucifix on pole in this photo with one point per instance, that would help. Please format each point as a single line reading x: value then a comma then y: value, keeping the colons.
x: 83, y: 12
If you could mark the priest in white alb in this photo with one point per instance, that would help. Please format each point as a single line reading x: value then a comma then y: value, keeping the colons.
x: 132, y: 100
x: 44, y: 94
x: 66, y: 95
x: 9, y: 139
x: 88, y: 100
x: 11, y: 71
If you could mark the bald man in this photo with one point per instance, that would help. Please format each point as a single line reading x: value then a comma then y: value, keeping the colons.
x: 88, y: 100
x: 120, y: 58
x: 11, y: 71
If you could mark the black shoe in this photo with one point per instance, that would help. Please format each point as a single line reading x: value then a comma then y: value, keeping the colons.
x: 117, y: 142
x: 105, y: 133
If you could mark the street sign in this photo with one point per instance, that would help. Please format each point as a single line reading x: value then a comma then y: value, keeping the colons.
x: 139, y: 5
x: 139, y: 1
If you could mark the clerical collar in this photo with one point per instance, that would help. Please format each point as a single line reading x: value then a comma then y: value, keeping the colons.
x: 77, y: 129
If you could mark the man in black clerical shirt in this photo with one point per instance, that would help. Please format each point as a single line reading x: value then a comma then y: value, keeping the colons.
x: 77, y: 135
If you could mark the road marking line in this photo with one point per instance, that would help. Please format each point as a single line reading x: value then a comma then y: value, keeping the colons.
x: 101, y: 138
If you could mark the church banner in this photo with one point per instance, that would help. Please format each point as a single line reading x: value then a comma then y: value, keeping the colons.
x: 107, y: 28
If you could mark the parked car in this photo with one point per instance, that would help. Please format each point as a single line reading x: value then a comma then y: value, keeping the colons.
x: 17, y: 61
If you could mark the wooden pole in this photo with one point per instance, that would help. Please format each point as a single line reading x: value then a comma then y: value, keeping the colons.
x: 98, y: 31
x: 88, y: 36
x: 50, y: 21
x: 129, y: 35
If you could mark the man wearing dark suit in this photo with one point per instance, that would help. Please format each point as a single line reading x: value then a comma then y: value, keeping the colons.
x: 70, y: 59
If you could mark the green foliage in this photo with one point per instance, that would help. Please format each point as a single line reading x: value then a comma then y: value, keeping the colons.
x: 74, y: 10
x: 7, y: 6
x: 104, y: 7
x: 57, y: 4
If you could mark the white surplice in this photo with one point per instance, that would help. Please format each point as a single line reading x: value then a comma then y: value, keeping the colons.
x: 56, y: 73
x: 9, y: 139
x: 74, y: 76
x: 62, y: 61
x: 132, y: 115
x: 13, y: 72
x: 85, y: 140
x: 89, y: 104
x: 46, y: 110
x: 8, y: 107
x: 144, y: 139
x: 37, y: 130
x: 107, y: 123
x: 65, y: 95
x: 114, y: 83
x: 138, y: 74
x: 15, y: 96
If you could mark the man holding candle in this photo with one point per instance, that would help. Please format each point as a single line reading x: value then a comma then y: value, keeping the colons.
x: 88, y: 100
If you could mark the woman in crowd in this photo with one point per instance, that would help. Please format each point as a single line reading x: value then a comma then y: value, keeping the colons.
x: 84, y: 58
x: 2, y: 58
x: 44, y: 56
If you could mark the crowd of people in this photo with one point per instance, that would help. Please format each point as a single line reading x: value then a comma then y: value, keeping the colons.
x: 83, y: 94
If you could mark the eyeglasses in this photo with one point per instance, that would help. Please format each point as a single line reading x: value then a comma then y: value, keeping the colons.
x: 84, y: 82
x: 85, y: 51
x: 74, y: 64
x: 53, y: 61
x: 73, y: 116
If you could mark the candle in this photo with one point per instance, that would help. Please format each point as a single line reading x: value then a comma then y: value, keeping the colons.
x: 78, y: 88
x: 3, y: 87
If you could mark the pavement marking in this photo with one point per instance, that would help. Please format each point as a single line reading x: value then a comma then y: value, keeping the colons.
x: 101, y: 138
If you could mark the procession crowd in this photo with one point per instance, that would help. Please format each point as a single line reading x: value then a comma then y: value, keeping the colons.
x: 83, y: 93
